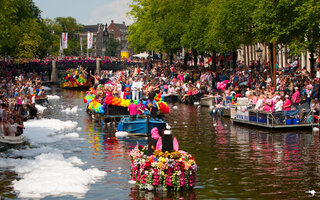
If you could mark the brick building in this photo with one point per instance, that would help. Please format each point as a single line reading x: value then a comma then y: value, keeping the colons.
x: 120, y: 32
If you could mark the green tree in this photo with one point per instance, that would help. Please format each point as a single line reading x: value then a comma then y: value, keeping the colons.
x: 20, y: 25
x: 111, y: 46
x: 69, y: 25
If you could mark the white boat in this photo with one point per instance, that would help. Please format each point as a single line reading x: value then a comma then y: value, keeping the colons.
x: 10, y: 141
x: 207, y: 101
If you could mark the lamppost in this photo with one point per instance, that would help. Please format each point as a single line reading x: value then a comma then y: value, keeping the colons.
x: 259, y: 52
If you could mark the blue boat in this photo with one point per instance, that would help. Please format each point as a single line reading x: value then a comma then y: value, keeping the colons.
x: 140, y: 126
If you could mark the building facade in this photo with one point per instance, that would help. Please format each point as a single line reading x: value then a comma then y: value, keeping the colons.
x: 120, y: 32
x: 261, y: 51
x: 100, y: 37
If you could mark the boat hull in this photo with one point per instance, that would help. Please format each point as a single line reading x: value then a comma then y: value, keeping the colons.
x: 7, y: 142
x: 207, y: 101
x: 140, y: 126
x: 172, y: 98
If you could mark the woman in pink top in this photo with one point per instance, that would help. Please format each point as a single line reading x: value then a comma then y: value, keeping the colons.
x: 254, y: 99
x: 287, y: 103
x: 268, y: 107
x: 296, y: 96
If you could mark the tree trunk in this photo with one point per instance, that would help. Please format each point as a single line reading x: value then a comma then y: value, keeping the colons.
x: 161, y: 60
x: 312, y: 61
x: 195, y: 57
x: 234, y: 58
x: 271, y: 56
x: 185, y: 60
x: 171, y: 58
x: 214, y: 60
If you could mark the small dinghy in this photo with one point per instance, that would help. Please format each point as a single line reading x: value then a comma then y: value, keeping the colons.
x: 11, y: 141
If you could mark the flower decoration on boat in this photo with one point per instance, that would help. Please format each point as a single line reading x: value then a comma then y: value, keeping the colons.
x: 163, y: 170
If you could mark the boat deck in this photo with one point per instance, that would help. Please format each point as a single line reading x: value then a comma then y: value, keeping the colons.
x: 275, y: 126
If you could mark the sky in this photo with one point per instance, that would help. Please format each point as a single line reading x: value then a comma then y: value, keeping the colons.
x: 87, y: 12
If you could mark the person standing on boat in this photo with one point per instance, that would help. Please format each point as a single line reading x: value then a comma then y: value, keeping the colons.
x: 133, y: 110
x: 127, y: 90
x: 296, y: 96
x: 287, y: 103
x: 134, y: 88
x: 152, y: 141
x: 140, y: 87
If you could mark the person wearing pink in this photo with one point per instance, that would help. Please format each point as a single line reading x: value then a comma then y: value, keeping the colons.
x: 268, y: 107
x: 140, y: 108
x: 254, y: 99
x: 296, y: 96
x: 287, y: 103
x: 133, y: 110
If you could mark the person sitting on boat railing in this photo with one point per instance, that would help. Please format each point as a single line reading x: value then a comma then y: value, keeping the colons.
x: 140, y: 109
x: 260, y: 102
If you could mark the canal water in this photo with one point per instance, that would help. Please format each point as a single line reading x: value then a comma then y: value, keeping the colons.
x: 70, y: 157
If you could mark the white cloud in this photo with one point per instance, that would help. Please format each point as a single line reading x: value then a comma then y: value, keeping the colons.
x: 115, y: 10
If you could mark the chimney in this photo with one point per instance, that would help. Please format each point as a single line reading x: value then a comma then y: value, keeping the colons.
x: 111, y: 21
x: 124, y: 23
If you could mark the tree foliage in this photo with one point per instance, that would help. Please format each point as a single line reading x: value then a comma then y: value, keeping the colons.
x: 21, y: 31
x: 223, y: 25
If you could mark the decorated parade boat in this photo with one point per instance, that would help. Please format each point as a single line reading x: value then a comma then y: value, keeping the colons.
x: 115, y: 108
x: 165, y: 168
x: 75, y: 80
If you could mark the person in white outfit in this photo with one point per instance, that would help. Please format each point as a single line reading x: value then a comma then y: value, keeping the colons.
x: 134, y: 89
x: 279, y: 104
x: 140, y: 85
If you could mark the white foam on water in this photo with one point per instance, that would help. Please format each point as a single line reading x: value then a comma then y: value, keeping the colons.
x: 30, y: 152
x: 46, y: 88
x: 121, y: 134
x: 53, y: 97
x: 70, y: 110
x: 132, y: 182
x: 47, y: 130
x: 40, y: 108
x: 175, y: 107
x: 51, y: 174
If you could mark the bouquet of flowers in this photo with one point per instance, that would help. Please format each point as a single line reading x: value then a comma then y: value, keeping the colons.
x: 163, y: 170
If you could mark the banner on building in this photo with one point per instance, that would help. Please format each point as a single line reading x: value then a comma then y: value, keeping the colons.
x: 64, y: 40
x: 81, y: 45
x: 90, y: 40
